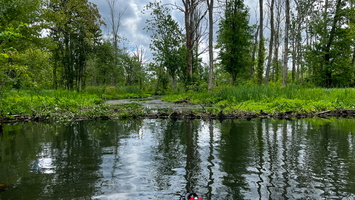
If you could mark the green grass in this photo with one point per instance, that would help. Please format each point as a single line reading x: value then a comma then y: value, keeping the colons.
x: 62, y: 105
x: 46, y: 102
x: 113, y: 92
x: 273, y: 99
x: 66, y: 105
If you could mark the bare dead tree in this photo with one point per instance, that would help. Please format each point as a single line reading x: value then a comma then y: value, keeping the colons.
x: 115, y: 23
x: 192, y: 24
x: 277, y: 38
x: 115, y: 20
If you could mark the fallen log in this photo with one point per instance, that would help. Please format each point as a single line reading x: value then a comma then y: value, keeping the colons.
x: 182, y: 101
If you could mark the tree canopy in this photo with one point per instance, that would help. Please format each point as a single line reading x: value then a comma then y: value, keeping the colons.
x: 234, y: 39
x: 60, y: 44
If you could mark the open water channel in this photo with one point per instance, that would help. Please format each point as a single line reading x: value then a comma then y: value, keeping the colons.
x: 162, y: 159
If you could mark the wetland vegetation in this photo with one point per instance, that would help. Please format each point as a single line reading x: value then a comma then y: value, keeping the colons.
x: 56, y: 63
x: 227, y: 102
x: 58, y: 67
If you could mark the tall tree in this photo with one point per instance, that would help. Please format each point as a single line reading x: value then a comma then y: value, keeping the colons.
x: 285, y: 59
x: 75, y: 29
x: 101, y: 68
x: 138, y: 57
x: 271, y: 42
x: 192, y: 24
x: 210, y: 5
x: 261, y: 54
x: 298, y: 29
x: 22, y: 51
x: 115, y: 21
x: 134, y: 69
x: 235, y: 39
x: 277, y: 40
x: 115, y: 16
x: 330, y: 50
x: 351, y: 17
x: 166, y: 37
x: 328, y: 45
x: 253, y: 54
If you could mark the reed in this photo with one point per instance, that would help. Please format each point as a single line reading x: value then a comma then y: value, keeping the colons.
x: 268, y: 93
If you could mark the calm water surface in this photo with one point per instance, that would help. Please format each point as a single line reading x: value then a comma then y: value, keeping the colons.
x: 161, y: 159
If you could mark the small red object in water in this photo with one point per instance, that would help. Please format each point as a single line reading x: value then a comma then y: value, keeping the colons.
x: 195, y: 198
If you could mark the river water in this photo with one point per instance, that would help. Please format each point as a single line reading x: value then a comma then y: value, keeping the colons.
x: 162, y: 159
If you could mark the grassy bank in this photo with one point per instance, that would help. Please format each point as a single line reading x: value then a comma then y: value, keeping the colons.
x: 60, y: 105
x: 271, y: 99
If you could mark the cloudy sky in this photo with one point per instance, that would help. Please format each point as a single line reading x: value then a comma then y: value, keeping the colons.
x: 133, y: 21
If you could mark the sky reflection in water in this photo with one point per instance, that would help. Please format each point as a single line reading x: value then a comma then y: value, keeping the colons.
x: 162, y: 159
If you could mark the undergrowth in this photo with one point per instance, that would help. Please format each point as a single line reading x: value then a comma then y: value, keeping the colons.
x: 45, y: 102
x: 113, y: 92
x: 62, y: 105
x: 272, y: 99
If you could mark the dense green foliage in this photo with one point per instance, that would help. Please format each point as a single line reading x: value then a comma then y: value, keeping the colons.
x: 167, y: 45
x: 59, y: 44
x: 23, y: 60
x: 234, y: 39
x: 331, y: 56
x: 74, y: 29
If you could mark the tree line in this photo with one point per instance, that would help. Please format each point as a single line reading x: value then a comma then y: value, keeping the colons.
x: 59, y: 44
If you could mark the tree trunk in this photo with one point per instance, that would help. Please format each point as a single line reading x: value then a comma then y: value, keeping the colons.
x: 353, y: 60
x: 115, y: 22
x: 55, y: 67
x: 260, y: 68
x: 192, y: 24
x: 294, y: 59
x: 189, y: 37
x: 299, y: 53
x: 267, y: 75
x: 210, y: 45
x: 328, y: 72
x: 252, y: 71
x: 287, y: 24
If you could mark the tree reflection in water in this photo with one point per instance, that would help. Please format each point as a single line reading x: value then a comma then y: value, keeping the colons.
x: 162, y: 159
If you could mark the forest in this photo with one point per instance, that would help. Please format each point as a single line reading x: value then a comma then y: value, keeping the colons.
x: 54, y: 55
